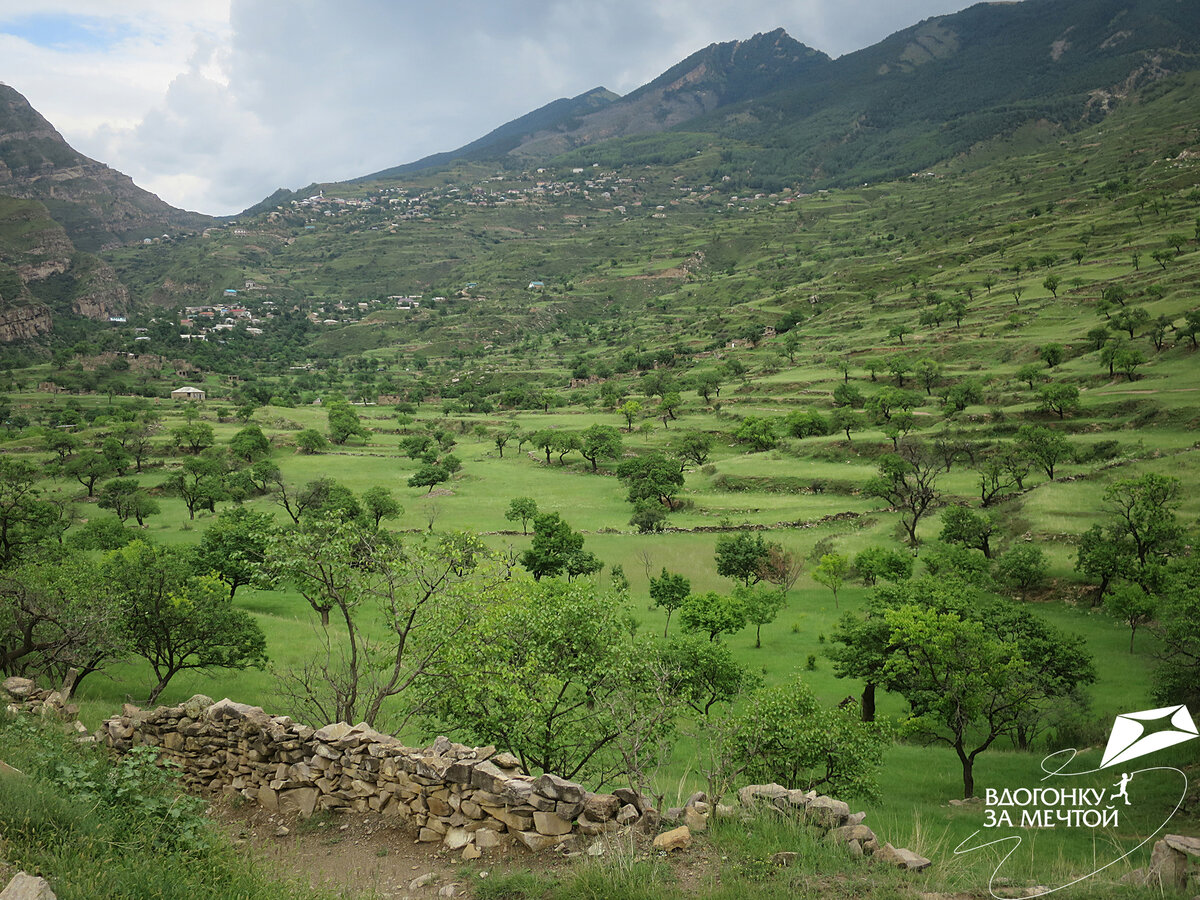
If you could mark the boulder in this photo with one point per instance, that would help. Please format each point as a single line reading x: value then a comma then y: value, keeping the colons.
x: 299, y: 801
x: 1168, y: 866
x: 549, y: 823
x: 901, y: 858
x: 19, y: 689
x: 694, y: 819
x: 847, y: 833
x: 768, y: 792
x: 539, y: 842
x: 675, y: 839
x: 628, y: 814
x: 27, y: 887
x: 825, y: 812
x: 558, y: 788
x: 784, y: 858
x: 601, y: 807
x: 456, y: 838
x: 471, y: 852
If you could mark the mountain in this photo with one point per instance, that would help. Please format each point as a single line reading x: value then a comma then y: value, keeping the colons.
x: 96, y: 205
x: 783, y: 113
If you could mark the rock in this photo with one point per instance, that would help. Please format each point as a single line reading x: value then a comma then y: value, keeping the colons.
x: 456, y: 838
x: 550, y: 823
x: 487, y: 839
x: 725, y: 811
x: 301, y: 801
x: 768, y: 792
x: 847, y: 833
x: 1182, y: 843
x: 901, y: 858
x: 558, y: 788
x: 471, y: 852
x: 420, y: 881
x: 601, y: 807
x: 194, y: 708
x: 596, y: 848
x: 857, y: 819
x: 282, y: 831
x: 506, y: 761
x: 27, y: 887
x: 539, y: 842
x: 673, y: 814
x: 675, y: 839
x: 1168, y: 865
x: 428, y: 836
x: 450, y: 890
x: 856, y: 849
x: 826, y: 812
x: 784, y: 858
x: 698, y: 797
x: 694, y: 819
x: 628, y: 814
x: 19, y: 688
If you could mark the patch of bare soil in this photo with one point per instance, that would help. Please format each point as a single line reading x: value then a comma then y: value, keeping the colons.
x: 357, y: 855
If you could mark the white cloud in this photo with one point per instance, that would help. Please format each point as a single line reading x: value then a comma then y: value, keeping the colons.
x: 215, y: 103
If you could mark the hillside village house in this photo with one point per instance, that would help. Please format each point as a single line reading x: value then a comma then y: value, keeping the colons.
x: 187, y: 393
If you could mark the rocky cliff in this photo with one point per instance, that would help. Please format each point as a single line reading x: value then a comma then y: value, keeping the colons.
x: 97, y: 205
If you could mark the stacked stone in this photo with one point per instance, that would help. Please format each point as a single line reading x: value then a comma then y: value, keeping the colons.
x: 23, y: 695
x: 466, y: 798
x: 834, y: 819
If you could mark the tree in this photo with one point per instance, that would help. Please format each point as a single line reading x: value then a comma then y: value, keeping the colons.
x: 1142, y: 524
x: 193, y: 436
x: 1022, y: 567
x: 907, y: 480
x: 802, y: 423
x: 554, y: 549
x: 1059, y: 398
x: 785, y: 736
x: 250, y: 444
x: 1100, y: 558
x: 200, y: 483
x: 1130, y: 318
x: 379, y: 504
x: 928, y: 372
x: 877, y: 562
x: 344, y: 422
x: 600, y: 441
x: 648, y: 517
x: 551, y: 674
x: 545, y: 440
x: 310, y: 441
x: 234, y: 548
x: 1177, y: 677
x: 62, y: 442
x: 1051, y: 354
x: 846, y: 419
x: 1051, y: 284
x: 1030, y: 373
x: 669, y: 405
x: 117, y: 456
x: 630, y: 409
x: 1045, y: 447
x: 780, y: 567
x: 651, y: 476
x: 88, y: 467
x: 831, y: 571
x: 522, y: 509
x: 762, y: 605
x: 176, y: 620
x: 708, y: 384
x: 962, y: 525
x: 669, y: 591
x: 713, y: 614
x: 428, y: 475
x: 501, y: 437
x: 692, y: 446
x: 742, y: 556
x: 758, y: 432
x: 1133, y: 606
x: 421, y: 600
x: 1127, y: 361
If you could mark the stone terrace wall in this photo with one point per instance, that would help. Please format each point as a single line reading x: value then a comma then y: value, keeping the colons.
x: 458, y: 796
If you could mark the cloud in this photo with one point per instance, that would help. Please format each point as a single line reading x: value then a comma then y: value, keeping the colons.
x: 215, y: 103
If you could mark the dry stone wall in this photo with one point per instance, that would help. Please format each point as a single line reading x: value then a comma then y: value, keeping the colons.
x: 472, y: 799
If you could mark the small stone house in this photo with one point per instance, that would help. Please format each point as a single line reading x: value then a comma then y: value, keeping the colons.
x: 187, y: 393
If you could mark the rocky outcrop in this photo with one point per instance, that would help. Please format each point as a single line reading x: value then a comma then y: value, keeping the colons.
x: 103, y: 295
x: 27, y: 887
x: 23, y: 323
x: 1174, y: 865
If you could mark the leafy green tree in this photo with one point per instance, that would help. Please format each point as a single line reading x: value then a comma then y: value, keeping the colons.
x: 193, y: 436
x: 786, y: 736
x: 545, y: 440
x: 1031, y: 373
x: 692, y: 446
x: 758, y: 432
x: 234, y: 548
x: 963, y: 525
x: 200, y: 483
x: 1059, y: 398
x: 708, y: 384
x: 551, y: 675
x: 1023, y: 567
x: 1177, y: 677
x: 501, y: 437
x: 1133, y: 606
x: 845, y: 419
x: 554, y: 547
x: 344, y: 422
x: 762, y: 605
x: 928, y: 372
x: 805, y: 423
x: 379, y: 504
x: 1045, y: 447
x: 1051, y: 284
x: 522, y: 509
x: 87, y: 467
x: 250, y: 444
x: 651, y: 476
x: 600, y: 442
x: 62, y: 443
x: 117, y: 456
x: 847, y: 396
x: 1143, y: 526
x: 713, y: 614
x: 907, y: 480
x: 428, y: 475
x: 669, y: 591
x: 1099, y: 558
x: 176, y: 620
x: 1051, y: 354
x: 118, y: 495
x: 741, y: 556
x: 831, y: 571
x: 648, y: 517
x: 630, y: 409
x: 669, y: 405
x: 1127, y: 361
x: 875, y: 562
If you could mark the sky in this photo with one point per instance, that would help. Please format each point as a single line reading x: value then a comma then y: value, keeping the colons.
x: 213, y: 104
